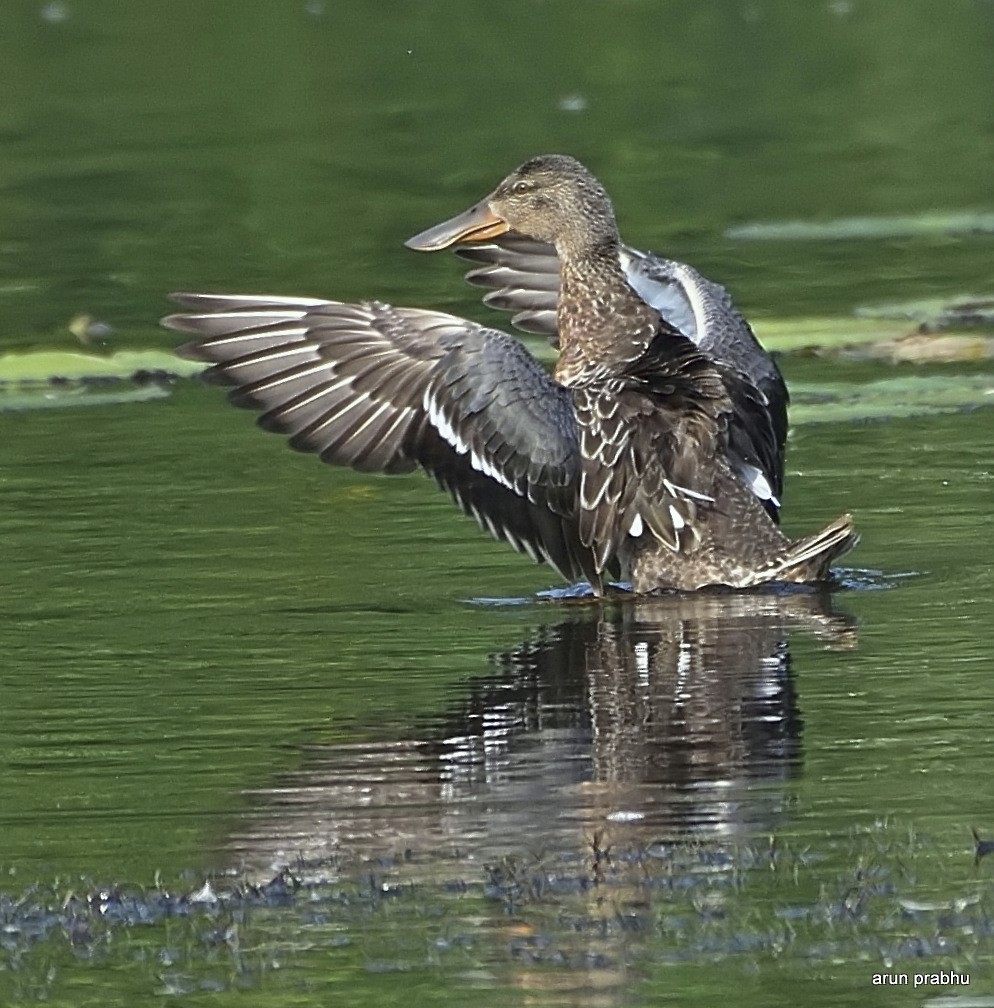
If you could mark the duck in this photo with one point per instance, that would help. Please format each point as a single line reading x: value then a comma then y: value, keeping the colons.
x: 522, y: 275
x: 623, y: 464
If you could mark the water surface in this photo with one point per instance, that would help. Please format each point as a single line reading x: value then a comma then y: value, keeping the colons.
x: 405, y: 776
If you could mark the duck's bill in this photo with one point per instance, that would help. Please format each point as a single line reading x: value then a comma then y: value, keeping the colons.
x: 477, y: 224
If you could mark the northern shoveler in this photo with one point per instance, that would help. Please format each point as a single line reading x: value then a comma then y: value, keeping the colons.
x: 522, y: 276
x: 629, y: 462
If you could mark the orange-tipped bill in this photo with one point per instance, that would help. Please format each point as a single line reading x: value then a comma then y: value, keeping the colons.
x: 477, y: 224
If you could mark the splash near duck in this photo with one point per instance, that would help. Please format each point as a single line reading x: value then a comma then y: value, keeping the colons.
x: 654, y: 452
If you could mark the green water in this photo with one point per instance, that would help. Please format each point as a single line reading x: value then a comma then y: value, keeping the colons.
x: 218, y: 656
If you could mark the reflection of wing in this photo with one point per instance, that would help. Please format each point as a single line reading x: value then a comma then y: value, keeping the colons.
x: 389, y: 389
x: 679, y: 698
x: 522, y: 276
x: 697, y: 693
x: 667, y: 709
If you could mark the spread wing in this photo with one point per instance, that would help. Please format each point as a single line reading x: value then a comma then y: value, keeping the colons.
x: 522, y: 276
x: 704, y: 311
x: 389, y: 389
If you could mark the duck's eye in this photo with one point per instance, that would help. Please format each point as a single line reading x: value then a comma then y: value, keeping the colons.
x: 522, y: 187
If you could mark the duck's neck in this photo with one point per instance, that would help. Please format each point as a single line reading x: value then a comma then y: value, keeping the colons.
x: 603, y: 324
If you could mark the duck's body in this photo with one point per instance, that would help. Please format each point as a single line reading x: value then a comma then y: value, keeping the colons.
x: 620, y: 465
x: 523, y: 276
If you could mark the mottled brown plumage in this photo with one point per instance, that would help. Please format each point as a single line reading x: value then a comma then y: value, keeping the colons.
x: 618, y: 467
x: 523, y: 275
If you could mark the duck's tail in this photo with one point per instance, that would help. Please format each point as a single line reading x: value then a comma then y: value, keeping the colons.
x: 809, y: 559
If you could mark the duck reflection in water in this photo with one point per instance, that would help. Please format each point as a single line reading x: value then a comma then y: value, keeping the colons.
x: 669, y: 718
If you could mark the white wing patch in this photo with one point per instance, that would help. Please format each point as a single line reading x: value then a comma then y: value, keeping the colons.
x: 480, y: 463
x: 756, y: 481
x: 441, y: 423
x: 483, y: 465
x: 670, y: 297
x: 677, y: 519
x: 681, y: 491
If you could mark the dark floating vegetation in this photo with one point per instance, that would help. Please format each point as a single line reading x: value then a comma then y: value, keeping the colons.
x: 584, y: 909
x: 982, y: 847
x: 937, y: 314
x: 900, y: 395
x: 92, y: 392
x: 141, y: 385
x: 54, y: 378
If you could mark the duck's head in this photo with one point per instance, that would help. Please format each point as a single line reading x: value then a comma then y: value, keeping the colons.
x: 552, y: 198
